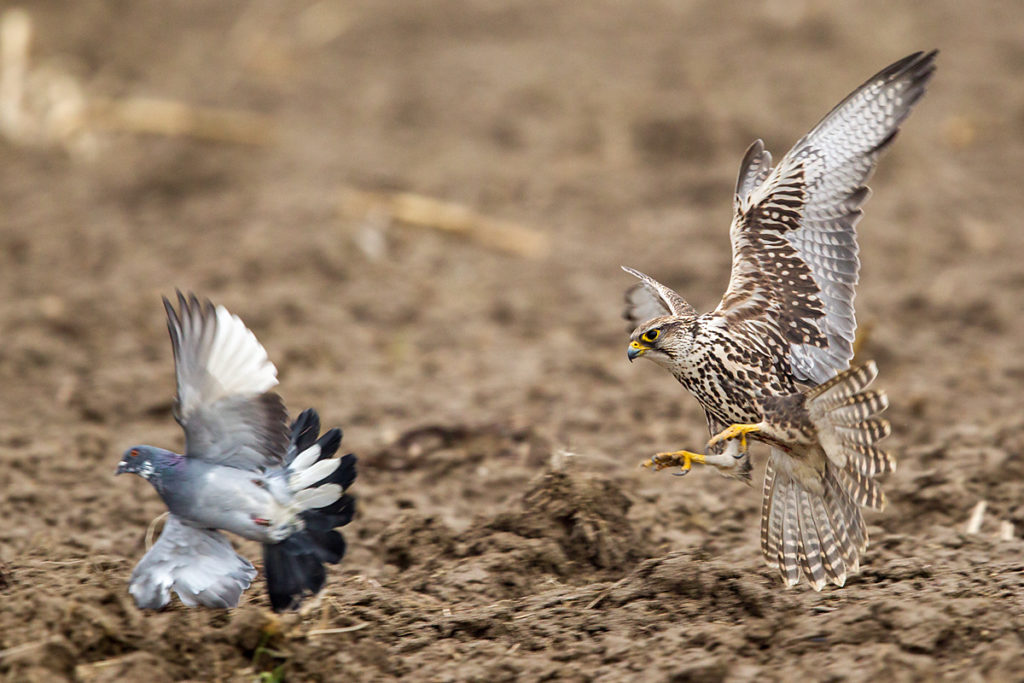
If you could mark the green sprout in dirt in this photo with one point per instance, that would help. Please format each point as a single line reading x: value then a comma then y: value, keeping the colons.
x: 262, y: 651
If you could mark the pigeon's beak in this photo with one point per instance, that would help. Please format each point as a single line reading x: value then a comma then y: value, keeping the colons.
x: 635, y: 350
x: 122, y: 467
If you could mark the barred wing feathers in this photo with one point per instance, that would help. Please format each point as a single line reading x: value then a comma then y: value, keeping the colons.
x: 794, y: 243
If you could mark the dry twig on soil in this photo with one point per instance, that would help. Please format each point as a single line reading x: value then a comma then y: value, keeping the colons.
x: 976, y: 518
x: 425, y: 212
x: 166, y: 117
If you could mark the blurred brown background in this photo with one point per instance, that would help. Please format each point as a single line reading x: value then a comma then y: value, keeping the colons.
x: 254, y: 151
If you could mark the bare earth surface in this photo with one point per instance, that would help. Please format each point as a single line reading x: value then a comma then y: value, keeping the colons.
x: 505, y: 531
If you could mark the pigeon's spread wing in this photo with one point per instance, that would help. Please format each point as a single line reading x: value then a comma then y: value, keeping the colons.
x: 199, y: 564
x: 650, y: 299
x: 224, y: 380
x: 794, y: 245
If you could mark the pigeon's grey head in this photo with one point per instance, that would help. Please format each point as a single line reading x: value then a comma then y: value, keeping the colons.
x: 146, y: 461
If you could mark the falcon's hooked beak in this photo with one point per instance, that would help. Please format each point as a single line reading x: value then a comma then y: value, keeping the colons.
x: 635, y: 350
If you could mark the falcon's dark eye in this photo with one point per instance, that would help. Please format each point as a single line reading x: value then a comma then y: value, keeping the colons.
x: 650, y: 335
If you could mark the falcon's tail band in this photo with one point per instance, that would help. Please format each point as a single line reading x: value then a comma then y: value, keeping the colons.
x: 294, y: 567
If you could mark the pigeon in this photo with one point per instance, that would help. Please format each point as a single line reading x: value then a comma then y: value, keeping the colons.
x: 243, y: 471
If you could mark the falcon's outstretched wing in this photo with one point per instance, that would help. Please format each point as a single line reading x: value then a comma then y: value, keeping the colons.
x: 199, y: 564
x: 650, y: 299
x: 224, y: 377
x: 794, y: 245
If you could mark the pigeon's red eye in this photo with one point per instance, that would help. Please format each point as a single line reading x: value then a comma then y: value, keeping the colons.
x: 134, y: 453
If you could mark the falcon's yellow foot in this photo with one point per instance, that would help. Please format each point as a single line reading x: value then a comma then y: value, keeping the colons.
x: 682, y: 459
x: 734, y: 431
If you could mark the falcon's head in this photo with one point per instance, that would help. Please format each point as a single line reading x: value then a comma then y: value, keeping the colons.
x: 663, y: 340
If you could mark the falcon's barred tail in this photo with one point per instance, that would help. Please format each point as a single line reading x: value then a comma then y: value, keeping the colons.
x: 817, y: 529
x: 294, y: 567
x: 819, y: 534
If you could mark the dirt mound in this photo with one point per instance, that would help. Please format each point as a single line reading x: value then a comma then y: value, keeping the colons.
x: 566, y: 527
x: 585, y: 517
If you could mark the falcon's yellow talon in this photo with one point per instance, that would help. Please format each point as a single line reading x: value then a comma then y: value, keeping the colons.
x: 682, y: 459
x: 733, y: 431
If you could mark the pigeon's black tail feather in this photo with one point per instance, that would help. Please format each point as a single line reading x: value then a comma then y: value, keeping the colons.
x: 305, y: 429
x: 293, y: 571
x: 294, y: 567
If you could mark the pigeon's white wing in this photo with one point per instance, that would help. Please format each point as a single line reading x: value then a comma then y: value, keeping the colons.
x: 650, y: 299
x: 199, y: 564
x: 224, y: 378
x: 794, y: 242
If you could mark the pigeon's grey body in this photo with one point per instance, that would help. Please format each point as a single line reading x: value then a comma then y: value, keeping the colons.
x: 243, y: 471
x: 211, y: 496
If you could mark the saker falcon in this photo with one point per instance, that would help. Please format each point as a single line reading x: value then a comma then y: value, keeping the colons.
x: 764, y: 363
